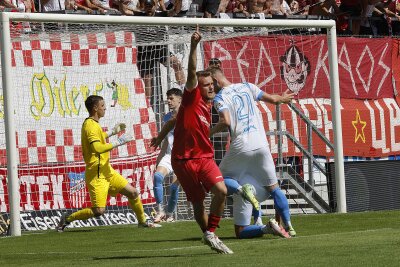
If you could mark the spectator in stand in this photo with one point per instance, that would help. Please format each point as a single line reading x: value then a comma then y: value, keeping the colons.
x: 294, y: 6
x: 303, y: 7
x: 394, y: 7
x: 354, y: 8
x: 234, y: 6
x: 242, y: 7
x: 210, y: 8
x: 70, y: 5
x: 285, y: 8
x: 8, y: 4
x: 386, y: 17
x: 108, y: 4
x: 134, y: 5
x: 369, y: 26
x: 280, y: 7
x: 77, y: 5
x: 126, y: 7
x: 141, y: 5
x: 150, y: 55
x: 327, y: 8
x: 52, y: 5
x: 226, y: 6
x: 378, y: 19
x: 97, y: 5
x: 260, y: 6
x: 26, y: 6
x: 389, y: 8
x: 29, y: 6
x: 175, y: 7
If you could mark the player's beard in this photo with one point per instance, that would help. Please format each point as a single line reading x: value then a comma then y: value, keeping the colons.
x: 210, y: 95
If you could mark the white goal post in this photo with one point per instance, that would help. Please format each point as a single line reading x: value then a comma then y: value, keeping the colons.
x: 11, y: 102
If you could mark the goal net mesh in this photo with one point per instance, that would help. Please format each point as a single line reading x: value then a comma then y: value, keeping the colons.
x: 57, y: 65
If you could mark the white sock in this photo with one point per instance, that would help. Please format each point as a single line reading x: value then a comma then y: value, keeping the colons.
x: 160, y: 208
x: 258, y: 221
x: 239, y: 190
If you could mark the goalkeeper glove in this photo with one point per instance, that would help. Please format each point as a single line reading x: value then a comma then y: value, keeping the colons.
x: 116, y: 129
x: 121, y: 140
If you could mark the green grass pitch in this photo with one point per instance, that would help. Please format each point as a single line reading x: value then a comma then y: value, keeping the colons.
x: 353, y: 239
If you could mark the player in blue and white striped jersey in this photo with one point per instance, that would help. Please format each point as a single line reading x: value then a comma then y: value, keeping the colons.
x: 249, y: 160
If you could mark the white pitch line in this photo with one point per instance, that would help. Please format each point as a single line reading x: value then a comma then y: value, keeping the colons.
x: 108, y: 251
x: 247, y: 241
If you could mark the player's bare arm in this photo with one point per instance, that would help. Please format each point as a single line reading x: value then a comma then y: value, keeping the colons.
x: 168, y: 126
x: 176, y: 9
x: 191, y: 81
x: 163, y: 150
x: 285, y: 98
x: 223, y: 122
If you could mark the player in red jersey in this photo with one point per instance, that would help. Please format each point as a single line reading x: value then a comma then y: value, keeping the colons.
x: 192, y: 152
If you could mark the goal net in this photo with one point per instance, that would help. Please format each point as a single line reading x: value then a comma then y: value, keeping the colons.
x: 132, y: 63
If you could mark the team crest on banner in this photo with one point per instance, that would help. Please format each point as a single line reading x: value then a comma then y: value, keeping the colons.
x: 302, y: 64
x: 77, y: 192
x: 295, y: 68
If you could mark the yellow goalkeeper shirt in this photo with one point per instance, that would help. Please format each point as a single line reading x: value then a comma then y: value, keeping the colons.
x: 97, y: 164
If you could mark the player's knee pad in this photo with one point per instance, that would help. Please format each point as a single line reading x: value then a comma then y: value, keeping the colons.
x: 158, y: 179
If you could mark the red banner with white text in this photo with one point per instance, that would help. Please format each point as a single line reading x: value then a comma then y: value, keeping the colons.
x: 301, y: 64
x: 371, y: 128
x: 60, y: 187
x: 396, y: 66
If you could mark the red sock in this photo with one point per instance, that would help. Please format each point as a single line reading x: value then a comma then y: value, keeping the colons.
x: 213, y: 221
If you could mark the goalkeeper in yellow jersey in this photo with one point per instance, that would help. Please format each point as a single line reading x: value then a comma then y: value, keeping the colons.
x: 101, y: 179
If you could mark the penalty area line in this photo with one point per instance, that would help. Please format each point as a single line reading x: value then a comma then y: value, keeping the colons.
x: 108, y: 251
x: 246, y: 241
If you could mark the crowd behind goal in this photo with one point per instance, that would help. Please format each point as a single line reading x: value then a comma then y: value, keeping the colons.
x: 353, y: 17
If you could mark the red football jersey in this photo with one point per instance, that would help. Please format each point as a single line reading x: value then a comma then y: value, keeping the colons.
x: 192, y: 128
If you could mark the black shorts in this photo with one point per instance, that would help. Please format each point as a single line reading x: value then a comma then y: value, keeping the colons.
x: 149, y: 56
x: 354, y: 11
x: 211, y: 6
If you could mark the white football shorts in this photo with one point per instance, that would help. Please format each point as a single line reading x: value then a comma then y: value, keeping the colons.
x: 166, y: 163
x: 257, y: 164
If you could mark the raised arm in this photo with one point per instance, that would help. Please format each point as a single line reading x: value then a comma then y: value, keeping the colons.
x: 191, y: 81
x: 285, y: 98
x: 11, y: 5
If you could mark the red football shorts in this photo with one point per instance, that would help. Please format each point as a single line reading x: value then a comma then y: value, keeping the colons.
x: 196, y: 176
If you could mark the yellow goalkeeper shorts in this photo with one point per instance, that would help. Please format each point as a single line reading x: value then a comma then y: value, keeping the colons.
x: 100, y: 188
